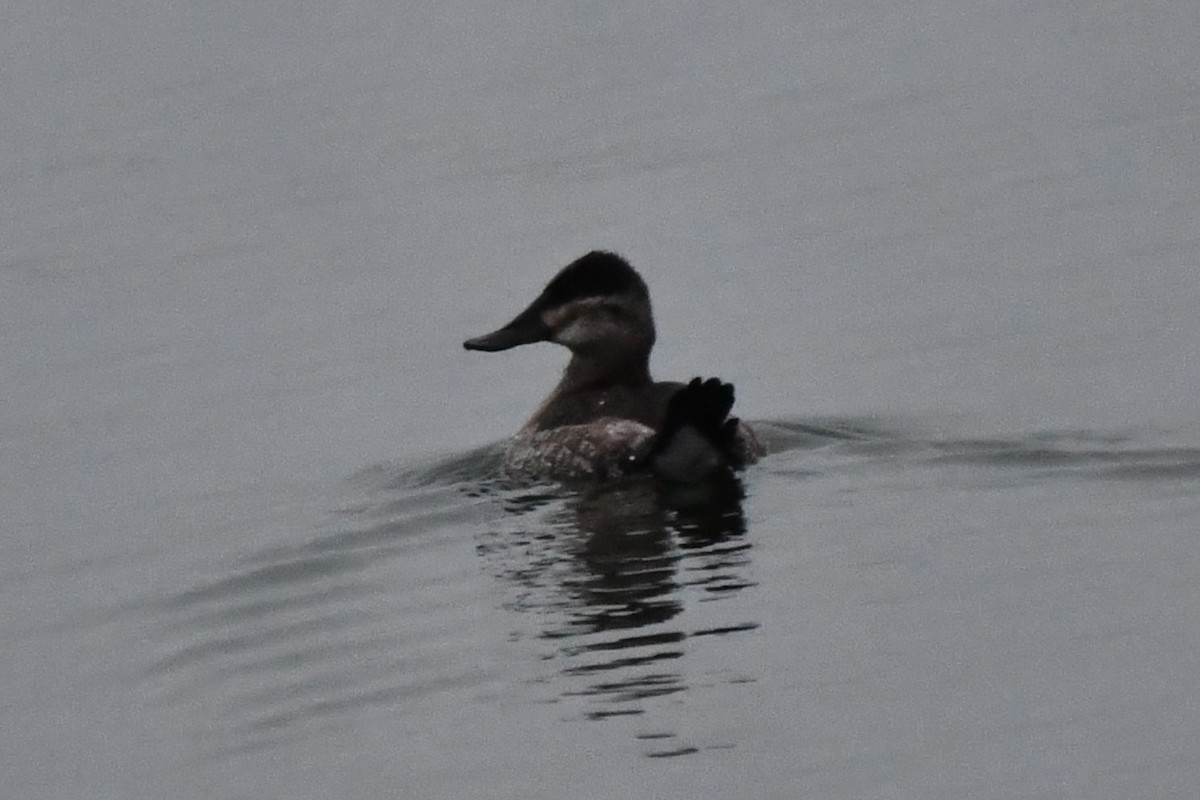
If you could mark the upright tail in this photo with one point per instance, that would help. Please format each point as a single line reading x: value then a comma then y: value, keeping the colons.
x: 698, y: 438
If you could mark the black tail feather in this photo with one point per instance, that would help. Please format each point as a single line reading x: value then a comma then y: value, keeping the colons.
x: 704, y: 406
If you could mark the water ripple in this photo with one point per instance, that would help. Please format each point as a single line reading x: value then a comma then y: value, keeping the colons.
x: 297, y: 634
x: 604, y: 601
x: 805, y: 448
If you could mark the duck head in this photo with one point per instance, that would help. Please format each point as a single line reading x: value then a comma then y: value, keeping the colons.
x: 597, y: 306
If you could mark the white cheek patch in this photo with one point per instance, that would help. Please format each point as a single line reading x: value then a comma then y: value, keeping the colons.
x: 555, y: 318
x: 579, y: 331
x: 577, y: 323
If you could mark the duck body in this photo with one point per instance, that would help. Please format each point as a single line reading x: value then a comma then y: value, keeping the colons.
x: 607, y: 417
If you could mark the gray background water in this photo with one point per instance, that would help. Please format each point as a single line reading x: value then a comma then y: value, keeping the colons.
x: 249, y: 549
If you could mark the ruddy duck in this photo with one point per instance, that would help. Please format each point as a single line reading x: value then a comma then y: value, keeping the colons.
x: 607, y: 417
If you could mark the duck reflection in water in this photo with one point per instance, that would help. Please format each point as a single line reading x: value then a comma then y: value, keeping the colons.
x: 609, y: 573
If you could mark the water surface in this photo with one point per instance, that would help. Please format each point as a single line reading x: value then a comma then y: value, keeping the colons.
x: 253, y: 542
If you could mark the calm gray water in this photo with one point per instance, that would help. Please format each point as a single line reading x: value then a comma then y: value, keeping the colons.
x: 947, y: 250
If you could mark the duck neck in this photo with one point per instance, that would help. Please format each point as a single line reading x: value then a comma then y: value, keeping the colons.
x: 588, y: 371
